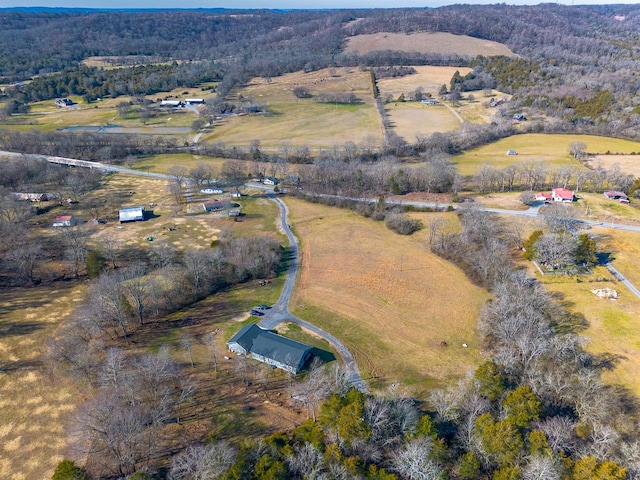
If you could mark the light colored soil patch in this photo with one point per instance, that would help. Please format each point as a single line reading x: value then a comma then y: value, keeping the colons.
x: 629, y: 164
x: 302, y: 121
x: 392, y: 301
x: 426, y: 43
x: 508, y: 201
x: 35, y: 405
x: 409, y: 119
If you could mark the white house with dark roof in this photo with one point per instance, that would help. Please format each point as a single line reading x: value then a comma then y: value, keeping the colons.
x: 270, y: 348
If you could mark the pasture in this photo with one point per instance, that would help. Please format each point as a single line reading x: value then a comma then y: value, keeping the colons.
x: 551, y: 149
x: 426, y: 42
x: 595, y: 206
x: 410, y: 119
x: 401, y: 310
x: 303, y: 121
x: 613, y: 327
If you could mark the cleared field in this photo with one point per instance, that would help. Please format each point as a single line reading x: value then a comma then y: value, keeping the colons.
x: 409, y: 119
x: 551, y: 149
x: 426, y: 42
x: 302, y: 121
x: 629, y: 164
x: 402, y: 311
x: 430, y: 78
x: 162, y: 163
x: 34, y: 405
x: 614, y: 327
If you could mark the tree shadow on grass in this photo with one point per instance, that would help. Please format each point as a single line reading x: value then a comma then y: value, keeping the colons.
x: 14, y: 329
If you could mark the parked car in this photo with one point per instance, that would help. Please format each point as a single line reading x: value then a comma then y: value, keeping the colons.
x: 207, y: 190
x: 511, y: 152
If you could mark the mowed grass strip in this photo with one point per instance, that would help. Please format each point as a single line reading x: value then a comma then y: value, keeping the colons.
x: 303, y: 121
x: 34, y: 405
x: 551, y: 149
x: 404, y: 311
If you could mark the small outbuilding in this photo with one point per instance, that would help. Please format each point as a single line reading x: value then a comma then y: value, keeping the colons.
x: 64, y: 221
x: 131, y: 214
x: 270, y: 348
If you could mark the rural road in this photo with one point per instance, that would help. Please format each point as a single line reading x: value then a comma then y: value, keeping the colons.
x: 280, y: 311
x: 621, y: 278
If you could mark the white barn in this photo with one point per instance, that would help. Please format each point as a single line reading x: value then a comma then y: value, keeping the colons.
x: 131, y: 214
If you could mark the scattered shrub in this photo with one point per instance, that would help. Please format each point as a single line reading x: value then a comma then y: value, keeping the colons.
x: 402, y: 224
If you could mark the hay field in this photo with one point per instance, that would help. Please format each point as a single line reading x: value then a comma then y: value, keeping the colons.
x: 409, y: 119
x: 426, y: 42
x: 430, y: 78
x: 302, y: 121
x: 402, y: 311
x: 34, y: 405
x: 551, y: 149
x: 162, y: 163
x: 629, y: 164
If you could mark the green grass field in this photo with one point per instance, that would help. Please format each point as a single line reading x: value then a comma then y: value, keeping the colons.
x: 553, y: 150
x: 302, y: 121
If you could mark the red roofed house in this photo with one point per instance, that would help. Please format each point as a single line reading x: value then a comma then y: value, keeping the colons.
x: 64, y: 221
x: 544, y: 197
x: 562, y: 195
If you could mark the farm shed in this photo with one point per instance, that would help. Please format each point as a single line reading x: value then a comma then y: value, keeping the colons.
x: 270, y: 348
x: 170, y: 103
x: 131, y: 214
x: 194, y: 101
x: 64, y: 221
x: 617, y: 195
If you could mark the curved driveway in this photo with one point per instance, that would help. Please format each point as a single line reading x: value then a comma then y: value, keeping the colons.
x: 280, y: 311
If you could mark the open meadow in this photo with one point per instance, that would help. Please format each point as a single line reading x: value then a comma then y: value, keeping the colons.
x: 551, y: 149
x: 627, y: 163
x: 426, y: 42
x: 613, y: 325
x: 402, y: 311
x: 303, y: 121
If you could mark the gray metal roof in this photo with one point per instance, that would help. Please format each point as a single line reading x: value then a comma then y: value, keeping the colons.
x: 262, y: 342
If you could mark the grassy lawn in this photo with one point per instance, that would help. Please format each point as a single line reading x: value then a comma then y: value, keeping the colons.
x: 386, y: 297
x: 551, y: 149
x: 302, y: 121
x: 613, y: 324
x: 594, y: 206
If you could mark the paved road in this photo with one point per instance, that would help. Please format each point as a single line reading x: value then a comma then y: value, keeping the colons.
x: 621, y: 278
x: 280, y: 311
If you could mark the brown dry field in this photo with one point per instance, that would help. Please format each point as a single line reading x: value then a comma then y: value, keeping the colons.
x: 430, y: 78
x: 629, y: 164
x: 34, y: 404
x: 37, y: 405
x: 409, y: 119
x: 403, y: 311
x: 425, y: 42
x: 302, y: 121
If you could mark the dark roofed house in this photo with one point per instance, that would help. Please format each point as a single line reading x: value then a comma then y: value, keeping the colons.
x: 213, y: 205
x: 270, y: 348
x: 617, y: 195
